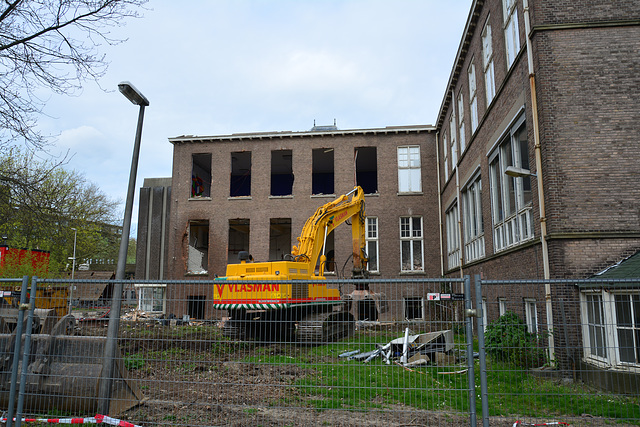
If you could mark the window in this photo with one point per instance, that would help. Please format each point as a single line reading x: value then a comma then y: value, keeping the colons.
x: 487, y: 56
x: 611, y: 327
x: 446, y: 156
x: 366, y: 169
x: 502, y: 306
x: 371, y: 237
x: 322, y: 171
x: 461, y: 135
x: 511, y: 197
x: 279, y: 238
x: 472, y: 220
x: 454, y: 148
x: 511, y: 35
x: 281, y: 173
x: 238, y: 239
x: 151, y: 298
x: 201, y: 175
x: 595, y: 325
x: 409, y: 172
x: 484, y: 314
x: 198, y: 252
x: 413, y: 308
x: 531, y: 313
x: 453, y: 236
x: 240, y: 184
x: 411, y: 247
x: 473, y: 99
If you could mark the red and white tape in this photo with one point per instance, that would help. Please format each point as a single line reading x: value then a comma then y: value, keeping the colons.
x: 554, y: 423
x: 98, y: 419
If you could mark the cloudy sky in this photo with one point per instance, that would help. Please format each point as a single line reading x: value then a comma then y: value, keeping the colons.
x: 213, y: 67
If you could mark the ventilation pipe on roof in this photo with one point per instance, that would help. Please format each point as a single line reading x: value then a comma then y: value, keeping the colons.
x: 538, y: 157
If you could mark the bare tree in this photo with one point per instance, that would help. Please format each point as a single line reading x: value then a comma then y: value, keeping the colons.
x: 55, y: 45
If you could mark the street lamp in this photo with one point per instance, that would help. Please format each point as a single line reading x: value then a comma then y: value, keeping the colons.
x: 518, y: 172
x: 104, y: 394
x: 73, y: 267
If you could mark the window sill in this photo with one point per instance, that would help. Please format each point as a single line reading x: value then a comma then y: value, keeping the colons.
x: 199, y: 198
x: 412, y: 193
x: 288, y: 196
x: 412, y: 273
x: 191, y: 273
x: 239, y: 198
x: 320, y: 196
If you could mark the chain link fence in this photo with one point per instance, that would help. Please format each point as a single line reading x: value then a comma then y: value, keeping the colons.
x: 411, y: 352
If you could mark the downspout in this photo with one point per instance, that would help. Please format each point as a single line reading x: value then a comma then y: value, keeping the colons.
x: 459, y: 204
x: 538, y: 157
x: 439, y: 203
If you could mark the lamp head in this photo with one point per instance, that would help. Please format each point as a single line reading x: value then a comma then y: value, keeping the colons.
x: 133, y: 94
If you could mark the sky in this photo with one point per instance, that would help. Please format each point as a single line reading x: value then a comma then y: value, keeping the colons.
x: 215, y: 67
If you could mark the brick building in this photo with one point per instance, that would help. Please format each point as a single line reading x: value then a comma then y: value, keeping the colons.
x: 543, y: 90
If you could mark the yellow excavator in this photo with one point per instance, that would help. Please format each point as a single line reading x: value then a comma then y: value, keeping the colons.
x: 302, y: 308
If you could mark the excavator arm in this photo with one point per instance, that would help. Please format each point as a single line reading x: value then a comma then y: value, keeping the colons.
x: 312, y: 240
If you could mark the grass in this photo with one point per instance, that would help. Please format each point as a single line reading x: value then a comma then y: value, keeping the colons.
x: 334, y: 383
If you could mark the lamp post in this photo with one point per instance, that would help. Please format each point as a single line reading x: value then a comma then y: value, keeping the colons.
x: 104, y: 393
x: 73, y: 268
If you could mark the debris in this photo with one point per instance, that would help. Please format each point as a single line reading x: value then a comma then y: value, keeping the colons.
x: 349, y: 353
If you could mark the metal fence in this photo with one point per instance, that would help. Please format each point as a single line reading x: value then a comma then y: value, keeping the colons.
x: 413, y: 354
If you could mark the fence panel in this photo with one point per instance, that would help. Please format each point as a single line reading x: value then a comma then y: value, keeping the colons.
x: 573, y: 357
x: 183, y: 362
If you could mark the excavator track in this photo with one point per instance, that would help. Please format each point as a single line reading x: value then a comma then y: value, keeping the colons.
x: 318, y: 328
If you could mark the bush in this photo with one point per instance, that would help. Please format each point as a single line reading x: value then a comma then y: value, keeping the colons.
x: 507, y: 340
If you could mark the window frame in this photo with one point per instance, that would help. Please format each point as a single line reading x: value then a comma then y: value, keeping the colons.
x: 461, y: 130
x: 372, y: 236
x: 531, y: 315
x: 488, y: 63
x: 454, y: 256
x: 473, y: 96
x: 511, y: 30
x: 453, y: 144
x: 445, y: 147
x: 511, y: 197
x: 412, y: 237
x: 408, y: 168
x: 473, y: 222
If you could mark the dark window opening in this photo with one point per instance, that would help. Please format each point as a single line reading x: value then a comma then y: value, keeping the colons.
x: 329, y: 252
x: 240, y: 174
x: 195, y: 306
x: 201, y: 175
x: 367, y: 310
x: 279, y: 238
x: 238, y: 239
x: 198, y: 256
x: 322, y: 173
x: 366, y: 169
x: 281, y: 173
x: 413, y: 307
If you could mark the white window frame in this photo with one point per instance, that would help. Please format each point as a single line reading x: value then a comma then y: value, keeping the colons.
x: 610, y: 356
x: 411, y: 233
x: 422, y: 307
x: 371, y: 239
x: 511, y: 31
x: 453, y: 236
x: 472, y: 220
x: 473, y: 96
x: 531, y: 314
x: 511, y: 198
x: 446, y: 155
x: 485, y: 317
x: 409, y: 169
x: 487, y: 61
x: 463, y: 142
x: 142, y: 291
x: 502, y: 306
x: 454, y: 146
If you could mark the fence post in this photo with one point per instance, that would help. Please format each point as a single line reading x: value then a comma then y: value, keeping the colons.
x: 26, y: 351
x: 484, y: 394
x: 16, y: 351
x: 470, y: 364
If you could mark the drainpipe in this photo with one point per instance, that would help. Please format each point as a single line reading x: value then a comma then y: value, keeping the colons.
x: 538, y: 157
x: 439, y: 203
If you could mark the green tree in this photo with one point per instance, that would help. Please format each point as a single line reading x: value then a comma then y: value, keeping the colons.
x: 43, y: 213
